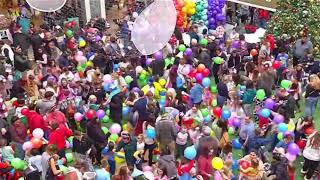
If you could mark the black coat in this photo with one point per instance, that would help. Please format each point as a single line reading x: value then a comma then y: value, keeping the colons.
x: 20, y: 63
x: 116, y: 108
x: 95, y: 133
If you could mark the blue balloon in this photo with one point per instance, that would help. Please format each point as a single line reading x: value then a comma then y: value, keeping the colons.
x: 105, y: 150
x: 236, y: 143
x: 179, y: 82
x: 190, y: 152
x: 206, y: 82
x: 207, y: 119
x: 106, y: 86
x: 265, y: 113
x: 235, y: 165
x: 162, y: 101
x: 185, y: 176
x: 226, y: 114
x: 282, y: 127
x: 243, y: 88
x: 125, y: 110
x: 151, y: 133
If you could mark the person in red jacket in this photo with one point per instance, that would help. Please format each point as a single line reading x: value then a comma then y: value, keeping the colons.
x: 264, y: 16
x: 56, y: 116
x: 58, y: 136
x: 35, y: 120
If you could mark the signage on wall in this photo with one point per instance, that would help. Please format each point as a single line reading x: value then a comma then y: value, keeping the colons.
x: 270, y: 5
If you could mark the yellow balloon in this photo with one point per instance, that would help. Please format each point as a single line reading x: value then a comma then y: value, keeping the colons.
x: 145, y: 89
x: 212, y: 134
x: 82, y: 43
x: 157, y: 86
x: 217, y: 163
x: 184, y: 9
x: 192, y: 4
x: 89, y: 64
x: 291, y: 127
x: 162, y: 82
x: 119, y: 157
x: 191, y: 11
x: 125, y: 127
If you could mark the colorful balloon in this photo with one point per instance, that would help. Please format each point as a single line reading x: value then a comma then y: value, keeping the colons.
x: 217, y: 111
x: 190, y: 152
x: 38, y: 133
x: 217, y: 163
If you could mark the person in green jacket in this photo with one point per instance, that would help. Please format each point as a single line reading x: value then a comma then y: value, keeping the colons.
x: 248, y: 99
x: 129, y: 145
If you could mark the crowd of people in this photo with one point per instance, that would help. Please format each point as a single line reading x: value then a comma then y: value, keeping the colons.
x: 216, y: 107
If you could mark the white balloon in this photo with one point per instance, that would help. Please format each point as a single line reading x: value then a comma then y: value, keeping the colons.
x: 47, y: 5
x: 154, y: 27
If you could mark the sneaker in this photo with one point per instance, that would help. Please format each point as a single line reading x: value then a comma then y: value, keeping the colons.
x: 305, y: 178
x: 303, y: 172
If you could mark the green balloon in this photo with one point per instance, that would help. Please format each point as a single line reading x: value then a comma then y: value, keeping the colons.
x: 104, y: 129
x: 182, y: 48
x: 204, y: 17
x: 214, y: 103
x: 260, y: 94
x: 69, y: 157
x: 286, y: 84
x: 69, y: 33
x: 217, y: 60
x: 142, y: 77
x: 204, y: 42
x: 128, y: 79
x: 113, y: 137
x: 70, y: 139
x: 84, y: 65
x: 230, y: 131
x: 204, y: 112
x: 17, y: 164
x: 79, y: 68
x: 23, y: 119
x: 63, y: 169
x: 213, y: 89
x: 105, y: 119
x: 280, y: 136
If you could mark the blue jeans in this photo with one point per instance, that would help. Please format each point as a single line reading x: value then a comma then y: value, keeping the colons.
x: 311, y: 104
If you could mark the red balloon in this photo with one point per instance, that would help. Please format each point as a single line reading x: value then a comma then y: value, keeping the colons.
x: 301, y: 143
x: 206, y: 72
x: 36, y: 142
x: 73, y: 23
x: 90, y: 114
x: 185, y: 98
x: 193, y: 73
x: 201, y: 68
x: 179, y: 23
x: 68, y: 25
x: 24, y: 111
x: 276, y: 64
x: 309, y: 131
x: 245, y: 164
x: 217, y: 111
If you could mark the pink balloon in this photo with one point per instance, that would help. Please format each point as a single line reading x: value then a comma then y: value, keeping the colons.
x: 147, y: 169
x: 80, y: 53
x: 38, y: 133
x: 107, y: 78
x: 139, y: 69
x: 290, y: 157
x: 67, y: 145
x: 78, y: 116
x: 115, y: 128
x: 186, y: 70
x: 27, y: 146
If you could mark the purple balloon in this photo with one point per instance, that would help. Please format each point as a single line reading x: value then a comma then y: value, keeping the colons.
x: 100, y: 113
x: 236, y: 122
x: 135, y: 89
x: 98, y: 38
x: 222, y: 2
x: 269, y: 103
x: 158, y: 55
x: 212, y: 26
x: 290, y: 157
x: 188, y: 52
x: 235, y: 44
x: 212, y: 21
x: 199, y: 77
x: 148, y: 61
x: 278, y: 119
x: 219, y: 17
x: 293, y: 149
x: 217, y: 8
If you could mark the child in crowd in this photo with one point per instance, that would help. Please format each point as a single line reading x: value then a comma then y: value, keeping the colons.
x: 109, y: 155
x: 103, y: 171
x: 181, y: 141
x: 6, y: 151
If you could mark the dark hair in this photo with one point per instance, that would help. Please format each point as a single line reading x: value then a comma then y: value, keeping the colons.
x: 110, y: 146
x: 54, y: 125
x: 48, y: 94
x: 34, y: 152
x: 249, y: 84
x: 242, y: 37
x: 141, y: 93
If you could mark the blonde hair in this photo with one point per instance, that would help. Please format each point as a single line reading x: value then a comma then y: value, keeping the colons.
x: 315, y: 81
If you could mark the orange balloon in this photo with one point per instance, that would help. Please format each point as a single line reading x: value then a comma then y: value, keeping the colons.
x: 118, y: 140
x: 200, y: 68
x: 81, y: 75
x: 184, y: 9
x: 36, y: 142
x: 253, y: 52
x: 309, y: 131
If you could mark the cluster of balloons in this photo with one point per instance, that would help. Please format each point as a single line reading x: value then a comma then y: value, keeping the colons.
x: 184, y: 9
x: 215, y: 13
x: 35, y: 142
x: 82, y: 61
x: 201, y: 12
x: 69, y: 27
x: 201, y: 75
